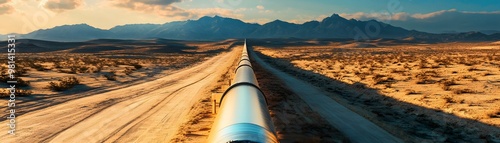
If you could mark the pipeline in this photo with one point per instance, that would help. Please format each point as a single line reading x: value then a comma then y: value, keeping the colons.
x: 243, y: 115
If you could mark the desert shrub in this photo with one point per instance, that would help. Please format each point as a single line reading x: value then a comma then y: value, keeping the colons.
x: 110, y: 76
x: 128, y: 71
x: 448, y: 99
x: 425, y: 80
x: 73, y: 70
x: 83, y: 69
x: 430, y: 73
x: 445, y: 84
x: 473, y: 69
x: 64, y: 84
x: 443, y: 61
x: 57, y: 65
x: 388, y: 85
x: 38, y: 67
x: 487, y: 74
x: 494, y: 114
x: 19, y: 92
x: 342, y: 67
x: 22, y: 83
x: 98, y: 68
x: 20, y: 71
x: 422, y: 65
x: 463, y: 91
x: 361, y: 75
x: 466, y: 77
x: 379, y: 79
x: 411, y: 91
x: 399, y: 71
x: 137, y: 66
x: 435, y: 66
x: 449, y: 82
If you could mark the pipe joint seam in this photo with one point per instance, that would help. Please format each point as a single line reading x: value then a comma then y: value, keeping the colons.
x: 240, y: 84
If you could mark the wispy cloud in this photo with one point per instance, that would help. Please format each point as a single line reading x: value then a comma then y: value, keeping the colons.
x: 162, y: 8
x: 377, y: 16
x: 437, y: 22
x: 5, y: 7
x: 62, y: 5
x: 167, y: 9
x: 432, y: 14
x: 196, y: 13
x: 260, y: 7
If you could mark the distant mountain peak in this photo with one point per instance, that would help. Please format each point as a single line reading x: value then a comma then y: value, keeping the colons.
x: 215, y: 18
x: 217, y: 28
x: 71, y: 27
x: 336, y: 15
x: 312, y: 21
x: 77, y: 25
x: 277, y: 21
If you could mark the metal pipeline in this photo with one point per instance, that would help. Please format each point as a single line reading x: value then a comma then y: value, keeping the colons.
x: 243, y: 115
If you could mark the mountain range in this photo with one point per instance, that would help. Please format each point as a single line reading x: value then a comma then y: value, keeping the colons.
x: 217, y: 28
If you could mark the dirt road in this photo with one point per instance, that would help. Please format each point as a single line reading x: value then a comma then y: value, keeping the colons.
x: 146, y: 112
x: 353, y: 126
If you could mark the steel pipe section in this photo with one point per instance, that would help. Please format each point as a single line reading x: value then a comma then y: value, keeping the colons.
x: 243, y: 116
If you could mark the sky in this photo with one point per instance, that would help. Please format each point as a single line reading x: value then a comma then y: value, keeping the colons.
x: 24, y: 16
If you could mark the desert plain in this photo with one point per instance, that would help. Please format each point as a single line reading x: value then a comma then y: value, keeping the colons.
x: 159, y: 90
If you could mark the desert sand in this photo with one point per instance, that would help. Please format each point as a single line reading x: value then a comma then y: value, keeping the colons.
x: 317, y: 91
x: 419, y: 92
x: 146, y: 112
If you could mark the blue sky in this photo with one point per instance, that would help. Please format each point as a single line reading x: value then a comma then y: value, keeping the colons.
x: 291, y: 9
x: 425, y: 15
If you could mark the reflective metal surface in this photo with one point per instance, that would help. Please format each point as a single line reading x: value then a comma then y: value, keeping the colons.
x: 243, y: 113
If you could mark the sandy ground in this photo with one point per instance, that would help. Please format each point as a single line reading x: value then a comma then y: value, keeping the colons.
x: 445, y: 92
x: 201, y: 116
x: 352, y: 125
x: 294, y: 120
x: 146, y: 112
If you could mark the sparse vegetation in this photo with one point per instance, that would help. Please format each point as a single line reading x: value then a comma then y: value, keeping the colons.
x: 64, y: 83
x: 411, y: 91
x: 22, y: 83
x: 137, y: 66
x: 110, y: 76
x: 19, y: 92
x: 449, y: 78
x: 462, y: 91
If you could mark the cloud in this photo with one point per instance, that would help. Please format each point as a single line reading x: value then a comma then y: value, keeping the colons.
x: 159, y: 7
x: 436, y: 22
x: 4, y: 1
x: 260, y: 7
x: 62, y: 5
x: 377, y: 16
x: 133, y: 4
x: 432, y: 14
x: 452, y: 21
x: 155, y: 2
x: 5, y: 7
x: 195, y: 13
x: 166, y: 9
